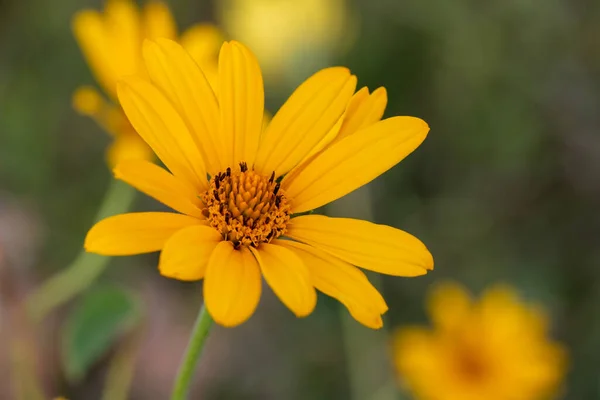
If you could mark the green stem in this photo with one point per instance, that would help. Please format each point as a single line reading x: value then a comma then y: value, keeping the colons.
x: 86, y: 268
x: 192, y: 354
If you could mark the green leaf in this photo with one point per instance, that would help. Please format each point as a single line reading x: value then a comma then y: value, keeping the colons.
x: 102, y: 317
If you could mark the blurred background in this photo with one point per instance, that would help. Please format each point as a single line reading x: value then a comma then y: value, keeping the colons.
x: 506, y: 188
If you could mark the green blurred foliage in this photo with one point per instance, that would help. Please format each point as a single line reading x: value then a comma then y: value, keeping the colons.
x: 102, y: 317
x: 505, y: 188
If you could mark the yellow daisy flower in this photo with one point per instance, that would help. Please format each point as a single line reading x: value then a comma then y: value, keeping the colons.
x: 111, y: 42
x: 322, y: 144
x: 495, y: 348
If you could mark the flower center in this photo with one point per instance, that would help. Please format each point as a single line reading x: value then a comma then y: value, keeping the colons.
x: 246, y: 207
x: 471, y: 363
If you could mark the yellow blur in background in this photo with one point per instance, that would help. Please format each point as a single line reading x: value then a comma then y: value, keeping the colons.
x: 496, y: 347
x: 284, y: 34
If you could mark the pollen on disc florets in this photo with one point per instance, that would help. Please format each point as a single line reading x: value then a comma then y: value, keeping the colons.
x: 247, y: 208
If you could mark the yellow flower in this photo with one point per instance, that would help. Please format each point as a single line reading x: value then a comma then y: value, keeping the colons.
x: 230, y: 228
x: 111, y: 43
x: 493, y: 349
x: 283, y: 32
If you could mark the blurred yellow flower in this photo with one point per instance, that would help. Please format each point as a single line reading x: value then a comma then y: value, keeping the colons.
x: 323, y: 143
x: 111, y: 42
x: 284, y: 33
x: 494, y: 349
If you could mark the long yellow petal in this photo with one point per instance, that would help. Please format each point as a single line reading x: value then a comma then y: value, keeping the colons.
x: 379, y: 248
x: 123, y: 26
x: 304, y: 120
x: 363, y: 110
x: 343, y: 281
x: 232, y: 284
x: 159, y: 124
x: 172, y: 70
x: 88, y: 28
x: 135, y: 233
x: 158, y: 183
x: 241, y: 100
x: 158, y: 21
x: 354, y: 161
x: 289, y: 278
x: 203, y: 42
x: 185, y: 255
x: 325, y: 142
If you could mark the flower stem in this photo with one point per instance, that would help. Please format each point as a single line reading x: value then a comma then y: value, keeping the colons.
x: 192, y: 354
x: 83, y: 271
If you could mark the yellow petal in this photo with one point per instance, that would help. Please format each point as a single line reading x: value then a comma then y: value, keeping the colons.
x: 241, y: 100
x: 158, y: 123
x: 365, y: 316
x: 158, y: 21
x: 127, y: 147
x: 91, y: 36
x: 379, y: 248
x: 123, y: 26
x: 289, y: 278
x: 203, y: 42
x: 135, y: 233
x: 161, y: 185
x: 363, y: 110
x: 177, y: 75
x: 354, y: 161
x: 500, y: 307
x: 419, y: 357
x: 449, y: 305
x: 319, y: 148
x: 87, y: 101
x: 343, y: 281
x: 304, y: 120
x: 325, y: 142
x: 185, y: 255
x: 232, y: 284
